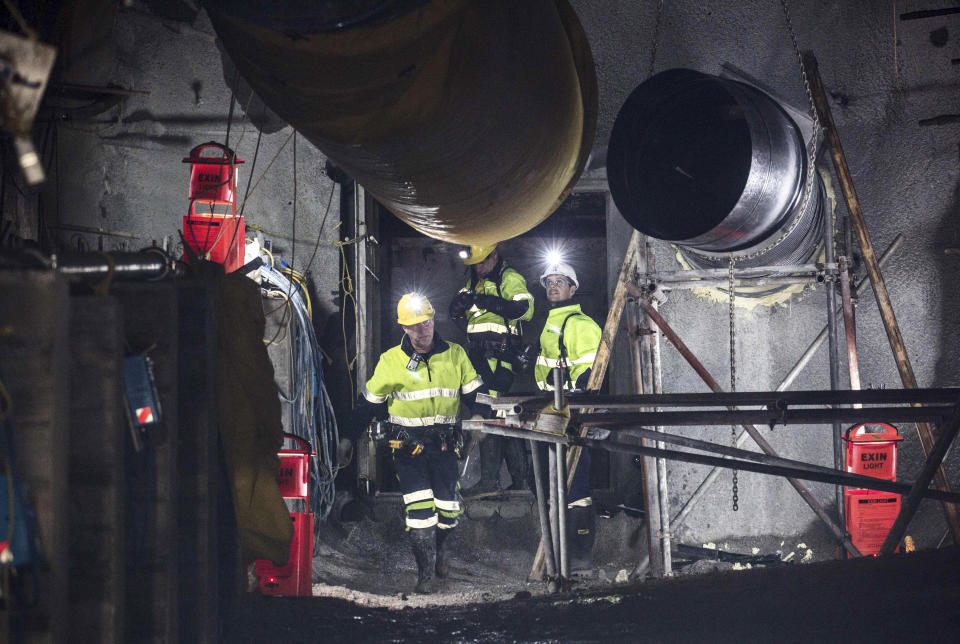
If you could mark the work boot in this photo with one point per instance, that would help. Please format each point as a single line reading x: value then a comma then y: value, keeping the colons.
x: 425, y: 552
x: 581, y: 532
x: 443, y: 560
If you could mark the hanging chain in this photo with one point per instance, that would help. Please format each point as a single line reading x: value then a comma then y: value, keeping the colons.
x: 733, y: 377
x: 656, y: 38
x: 811, y: 149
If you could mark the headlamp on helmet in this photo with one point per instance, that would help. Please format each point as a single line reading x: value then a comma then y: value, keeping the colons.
x: 475, y: 254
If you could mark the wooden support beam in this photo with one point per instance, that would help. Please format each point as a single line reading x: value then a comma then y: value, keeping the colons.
x: 600, y: 363
x: 904, y: 367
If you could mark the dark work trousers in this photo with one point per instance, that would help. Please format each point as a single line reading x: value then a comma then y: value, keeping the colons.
x: 495, y: 448
x: 428, y: 481
x: 498, y: 378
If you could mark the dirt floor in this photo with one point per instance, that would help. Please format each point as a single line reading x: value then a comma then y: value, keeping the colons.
x: 365, y: 572
x: 905, y: 598
x: 369, y: 562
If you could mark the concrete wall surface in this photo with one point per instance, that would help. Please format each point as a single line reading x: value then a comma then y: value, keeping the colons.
x: 884, y: 77
x: 122, y: 170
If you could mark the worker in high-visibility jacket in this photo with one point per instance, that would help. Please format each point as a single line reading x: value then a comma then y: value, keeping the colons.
x: 419, y: 385
x: 570, y: 340
x: 495, y: 302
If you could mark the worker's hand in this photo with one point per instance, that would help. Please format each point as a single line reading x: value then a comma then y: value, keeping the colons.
x: 460, y: 304
x: 487, y: 302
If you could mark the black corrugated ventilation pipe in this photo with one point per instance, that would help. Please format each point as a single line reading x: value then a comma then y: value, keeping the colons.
x: 471, y: 121
x: 717, y: 167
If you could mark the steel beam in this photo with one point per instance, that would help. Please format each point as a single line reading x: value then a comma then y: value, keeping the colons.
x: 771, y: 418
x: 791, y: 472
x: 519, y: 403
x: 839, y: 477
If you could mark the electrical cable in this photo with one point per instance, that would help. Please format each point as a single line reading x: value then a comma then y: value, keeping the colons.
x: 269, y: 165
x: 311, y: 410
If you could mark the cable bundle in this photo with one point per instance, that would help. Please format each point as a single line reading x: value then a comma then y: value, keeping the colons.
x: 311, y: 409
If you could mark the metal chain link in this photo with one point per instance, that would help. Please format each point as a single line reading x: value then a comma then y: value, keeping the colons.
x: 733, y: 375
x: 811, y: 148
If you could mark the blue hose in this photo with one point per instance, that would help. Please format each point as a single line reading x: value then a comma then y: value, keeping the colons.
x: 311, y: 409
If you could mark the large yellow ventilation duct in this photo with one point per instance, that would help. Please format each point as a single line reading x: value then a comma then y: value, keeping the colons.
x: 471, y: 121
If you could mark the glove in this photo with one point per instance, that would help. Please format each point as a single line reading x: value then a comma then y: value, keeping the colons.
x: 463, y: 301
x: 509, y: 309
x: 487, y: 302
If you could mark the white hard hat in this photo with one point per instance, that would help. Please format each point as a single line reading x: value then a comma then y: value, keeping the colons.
x: 560, y: 268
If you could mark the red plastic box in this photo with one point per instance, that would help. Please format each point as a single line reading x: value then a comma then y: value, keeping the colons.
x: 218, y: 238
x: 294, y: 578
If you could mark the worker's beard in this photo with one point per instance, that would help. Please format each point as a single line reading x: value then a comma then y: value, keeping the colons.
x: 422, y: 344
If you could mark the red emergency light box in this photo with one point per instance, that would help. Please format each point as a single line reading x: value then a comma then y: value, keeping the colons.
x: 294, y: 578
x: 870, y: 515
x: 871, y: 451
x: 218, y: 238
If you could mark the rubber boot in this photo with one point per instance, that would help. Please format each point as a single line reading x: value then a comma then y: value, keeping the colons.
x: 581, y: 532
x: 425, y: 552
x: 491, y: 451
x: 516, y: 456
x: 443, y: 560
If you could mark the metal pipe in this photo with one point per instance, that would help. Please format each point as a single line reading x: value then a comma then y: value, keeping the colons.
x: 756, y: 271
x: 752, y: 282
x: 150, y: 264
x: 638, y: 382
x: 790, y: 472
x: 554, y: 507
x: 849, y: 325
x: 920, y: 487
x: 663, y: 500
x: 814, y: 504
x: 557, y: 376
x: 771, y: 418
x: 562, y: 512
x: 651, y: 497
x: 717, y: 167
x: 510, y: 432
x: 403, y: 96
x: 542, y: 512
x: 757, y: 457
x: 776, y: 399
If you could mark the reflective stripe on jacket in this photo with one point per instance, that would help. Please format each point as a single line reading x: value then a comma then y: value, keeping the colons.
x: 581, y: 338
x: 512, y: 287
x: 429, y: 392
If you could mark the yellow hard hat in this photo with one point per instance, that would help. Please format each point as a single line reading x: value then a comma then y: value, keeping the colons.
x: 413, y: 308
x: 475, y: 254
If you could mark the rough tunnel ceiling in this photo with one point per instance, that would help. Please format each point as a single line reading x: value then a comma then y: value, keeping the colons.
x: 410, y: 109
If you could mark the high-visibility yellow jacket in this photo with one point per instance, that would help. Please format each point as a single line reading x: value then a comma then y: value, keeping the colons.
x: 421, y: 391
x: 581, y: 338
x: 512, y: 287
